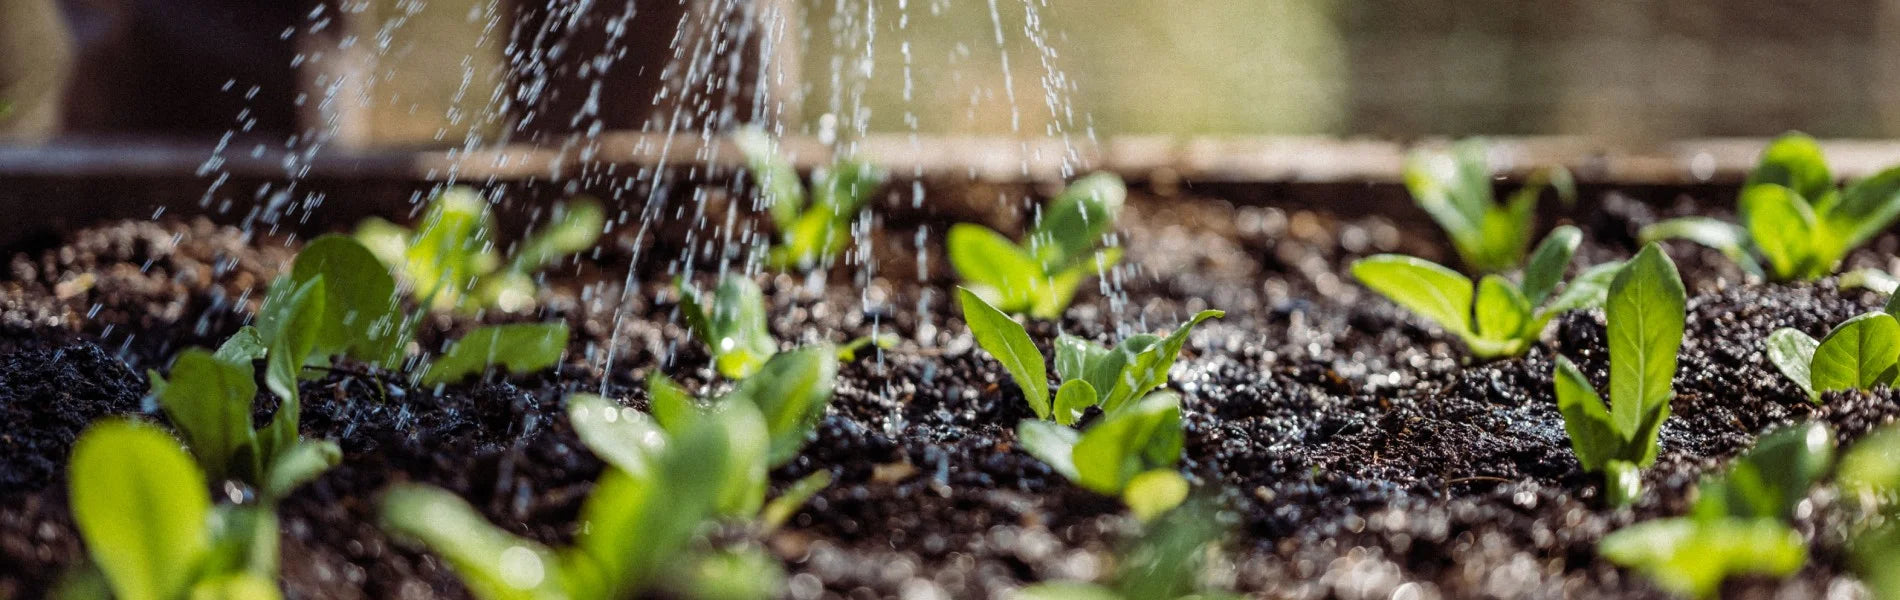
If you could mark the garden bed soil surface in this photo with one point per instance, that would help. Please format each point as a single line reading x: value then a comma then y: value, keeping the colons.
x: 1361, y: 455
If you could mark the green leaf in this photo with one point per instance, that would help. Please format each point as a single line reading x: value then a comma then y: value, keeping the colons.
x: 243, y: 540
x: 361, y: 315
x: 745, y: 573
x: 733, y: 326
x: 781, y: 509
x: 450, y: 248
x: 672, y: 406
x: 298, y: 464
x: 1455, y: 190
x: 1547, y: 264
x: 840, y: 189
x: 1502, y: 312
x: 1074, y: 355
x: 519, y: 348
x: 209, y: 400
x: 1794, y: 161
x: 235, y: 586
x: 575, y: 227
x: 1149, y: 368
x: 1170, y: 558
x: 1058, y: 291
x: 242, y: 347
x: 635, y: 525
x: 1076, y: 220
x: 779, y: 186
x: 1009, y: 343
x: 1783, y: 227
x: 1792, y: 352
x: 494, y: 564
x: 996, y: 269
x: 1589, y: 289
x: 1421, y: 286
x: 1867, y: 208
x: 1050, y: 443
x: 1144, y: 436
x: 1870, y: 471
x: 1732, y: 240
x: 141, y: 508
x: 1691, y: 558
x: 1066, y: 590
x: 1858, y: 354
x: 1593, y: 435
x: 1875, y: 557
x: 1075, y: 396
x: 1153, y: 493
x: 1870, y: 279
x: 1645, y: 311
x: 620, y: 436
x: 792, y: 391
x: 291, y: 324
x: 1768, y: 480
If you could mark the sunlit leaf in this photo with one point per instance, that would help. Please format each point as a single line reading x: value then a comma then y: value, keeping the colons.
x: 141, y: 508
x: 1006, y: 341
x: 518, y: 348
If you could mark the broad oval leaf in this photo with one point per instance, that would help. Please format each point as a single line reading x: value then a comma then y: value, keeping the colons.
x: 1783, y: 227
x: 1426, y: 288
x: 495, y: 564
x: 1870, y: 470
x: 1076, y: 220
x: 209, y: 401
x: 1548, y: 263
x: 519, y: 348
x: 575, y: 226
x: 1792, y: 353
x: 1732, y: 240
x: 141, y: 508
x: 1149, y: 367
x: 1794, y: 161
x: 1645, y: 310
x: 1593, y: 435
x: 1501, y: 312
x: 1691, y: 557
x: 996, y: 268
x: 791, y: 392
x: 1146, y: 435
x: 361, y: 315
x: 1009, y: 343
x: 620, y: 436
x: 1858, y: 354
x: 1867, y: 207
x: 1075, y: 396
x: 1154, y: 492
x: 1769, y: 479
x: 733, y: 325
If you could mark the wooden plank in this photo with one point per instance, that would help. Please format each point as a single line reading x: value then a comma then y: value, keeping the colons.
x: 1232, y: 160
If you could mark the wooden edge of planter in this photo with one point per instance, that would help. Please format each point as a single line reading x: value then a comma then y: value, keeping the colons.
x: 1271, y: 159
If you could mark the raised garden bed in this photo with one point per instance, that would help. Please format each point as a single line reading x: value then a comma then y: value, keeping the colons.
x: 1361, y: 453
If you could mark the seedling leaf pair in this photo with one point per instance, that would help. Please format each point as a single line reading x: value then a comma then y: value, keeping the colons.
x: 1494, y: 317
x: 1645, y: 307
x: 142, y: 508
x: 732, y: 325
x: 1793, y: 217
x: 1737, y: 525
x: 1860, y: 354
x: 450, y: 261
x: 1039, y: 277
x: 811, y: 229
x: 1455, y: 189
x: 1092, y: 375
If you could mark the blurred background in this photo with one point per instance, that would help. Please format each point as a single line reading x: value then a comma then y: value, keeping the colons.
x: 447, y: 73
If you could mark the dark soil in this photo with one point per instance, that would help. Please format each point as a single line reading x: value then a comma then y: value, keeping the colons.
x: 1361, y: 455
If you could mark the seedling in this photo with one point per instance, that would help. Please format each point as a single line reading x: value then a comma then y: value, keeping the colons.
x: 1645, y: 311
x: 1860, y: 354
x: 1495, y: 317
x: 1167, y: 561
x: 1793, y: 217
x: 149, y: 525
x: 1131, y: 451
x: 450, y: 261
x: 1737, y: 525
x: 209, y: 395
x: 732, y: 326
x: 1039, y: 276
x: 812, y: 228
x: 518, y: 348
x: 638, y: 526
x: 1455, y: 189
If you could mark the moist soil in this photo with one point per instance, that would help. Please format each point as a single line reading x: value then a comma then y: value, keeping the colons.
x: 1360, y: 455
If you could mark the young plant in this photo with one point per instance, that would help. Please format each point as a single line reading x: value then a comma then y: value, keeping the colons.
x: 519, y: 348
x: 1455, y: 189
x: 146, y: 517
x: 812, y: 228
x: 1860, y: 354
x: 638, y: 525
x: 1495, y: 317
x: 1131, y: 451
x: 1793, y: 216
x: 450, y: 261
x: 1039, y: 276
x: 1167, y: 561
x: 1737, y: 525
x: 732, y: 326
x: 1645, y: 310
